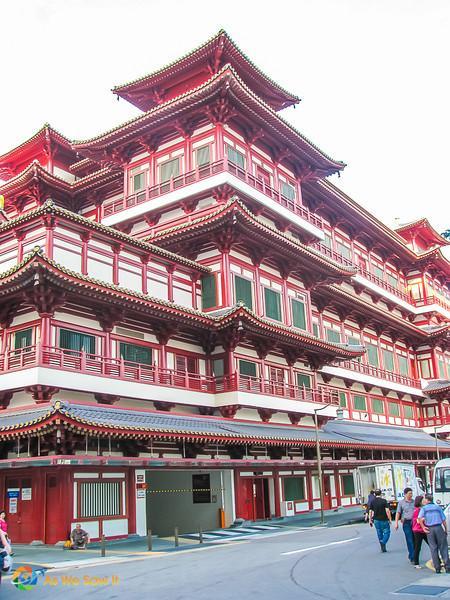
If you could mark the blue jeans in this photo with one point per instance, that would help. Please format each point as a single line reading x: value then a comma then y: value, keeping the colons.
x: 409, y: 536
x: 383, y: 530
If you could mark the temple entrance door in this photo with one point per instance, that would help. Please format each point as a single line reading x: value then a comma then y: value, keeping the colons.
x: 326, y: 493
x: 261, y: 496
x: 54, y: 525
x: 246, y: 509
x: 23, y: 524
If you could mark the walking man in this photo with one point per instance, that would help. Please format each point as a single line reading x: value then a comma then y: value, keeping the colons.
x: 432, y: 520
x: 380, y: 516
x: 405, y: 512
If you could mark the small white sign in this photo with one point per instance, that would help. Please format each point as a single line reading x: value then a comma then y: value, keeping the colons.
x: 12, y: 506
x: 26, y: 493
x: 140, y: 494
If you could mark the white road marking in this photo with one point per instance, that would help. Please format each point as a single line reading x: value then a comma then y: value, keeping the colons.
x: 321, y: 546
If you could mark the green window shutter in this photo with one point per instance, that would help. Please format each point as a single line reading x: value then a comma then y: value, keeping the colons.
x: 303, y: 380
x: 218, y: 367
x: 408, y: 411
x: 298, y: 314
x: 316, y: 329
x: 22, y: 339
x: 243, y: 291
x: 342, y: 399
x: 74, y: 340
x: 378, y: 406
x: 202, y: 156
x: 209, y: 291
x: 403, y: 365
x: 348, y: 485
x: 328, y: 241
x: 247, y: 368
x: 138, y: 181
x: 135, y: 353
x: 359, y: 403
x: 378, y: 272
x: 441, y: 366
x: 272, y: 302
x: 235, y: 157
x: 169, y: 169
x: 353, y: 341
x: 394, y: 409
x: 372, y: 355
x: 344, y: 250
x: 388, y: 360
x: 333, y: 336
x: 294, y: 488
x: 393, y: 281
x: 287, y: 190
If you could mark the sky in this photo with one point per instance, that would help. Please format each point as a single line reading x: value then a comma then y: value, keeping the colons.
x: 373, y: 76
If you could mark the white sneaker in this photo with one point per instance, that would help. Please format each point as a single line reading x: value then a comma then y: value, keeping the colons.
x: 417, y: 567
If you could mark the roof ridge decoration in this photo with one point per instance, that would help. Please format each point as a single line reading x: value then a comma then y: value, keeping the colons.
x: 218, y: 45
x: 49, y: 207
x: 236, y: 202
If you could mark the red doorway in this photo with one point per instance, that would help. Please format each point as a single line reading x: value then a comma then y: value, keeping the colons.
x: 326, y: 492
x: 254, y: 498
x: 20, y: 505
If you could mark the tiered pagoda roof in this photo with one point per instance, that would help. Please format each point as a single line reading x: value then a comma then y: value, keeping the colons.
x: 19, y: 281
x: 223, y: 95
x: 238, y: 222
x: 196, y: 67
x: 45, y: 141
x: 423, y: 229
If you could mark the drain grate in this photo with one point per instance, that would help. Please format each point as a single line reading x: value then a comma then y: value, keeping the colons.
x: 423, y: 590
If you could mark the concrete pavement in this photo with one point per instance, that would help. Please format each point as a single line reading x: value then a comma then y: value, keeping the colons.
x: 55, y: 556
x: 342, y: 563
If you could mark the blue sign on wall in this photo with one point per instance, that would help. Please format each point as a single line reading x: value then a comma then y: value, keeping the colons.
x: 12, y: 493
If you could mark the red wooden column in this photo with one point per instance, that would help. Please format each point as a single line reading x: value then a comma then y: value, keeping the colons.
x: 276, y: 483
x: 144, y: 261
x: 20, y: 236
x: 286, y: 306
x: 49, y: 224
x: 116, y: 248
x: 226, y: 277
x: 170, y: 269
x: 309, y: 489
x: 85, y: 237
x: 337, y: 485
x: 194, y: 278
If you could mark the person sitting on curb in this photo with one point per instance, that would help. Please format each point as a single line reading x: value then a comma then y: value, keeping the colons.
x: 79, y: 538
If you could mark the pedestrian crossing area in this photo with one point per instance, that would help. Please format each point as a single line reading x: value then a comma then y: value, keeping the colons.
x: 235, y: 533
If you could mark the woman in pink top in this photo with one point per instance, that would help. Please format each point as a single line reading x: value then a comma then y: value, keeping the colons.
x: 3, y: 523
x: 418, y: 532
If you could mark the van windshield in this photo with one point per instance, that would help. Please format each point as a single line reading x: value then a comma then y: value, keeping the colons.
x: 442, y: 480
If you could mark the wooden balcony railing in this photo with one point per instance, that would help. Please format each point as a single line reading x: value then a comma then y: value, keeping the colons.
x: 343, y: 260
x: 116, y: 368
x: 258, y: 385
x: 432, y: 299
x: 435, y: 421
x: 359, y: 367
x: 201, y: 173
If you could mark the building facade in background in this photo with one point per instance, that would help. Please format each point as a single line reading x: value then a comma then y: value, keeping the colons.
x: 182, y: 295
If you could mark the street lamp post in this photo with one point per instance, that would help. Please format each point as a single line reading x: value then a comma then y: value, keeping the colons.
x: 339, y: 415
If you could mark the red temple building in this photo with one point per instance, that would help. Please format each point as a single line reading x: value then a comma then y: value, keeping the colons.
x: 182, y: 295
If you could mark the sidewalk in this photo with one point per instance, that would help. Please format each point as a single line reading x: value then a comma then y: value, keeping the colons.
x: 119, y: 550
